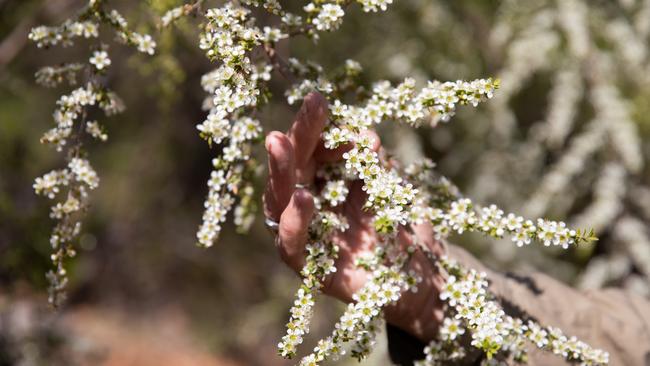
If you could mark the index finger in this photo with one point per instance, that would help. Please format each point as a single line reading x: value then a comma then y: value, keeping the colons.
x: 307, y: 127
x: 281, y: 180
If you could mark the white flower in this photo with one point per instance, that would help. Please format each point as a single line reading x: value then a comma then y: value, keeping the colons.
x: 247, y: 128
x: 537, y: 335
x: 329, y: 17
x: 94, y: 129
x: 83, y: 172
x: 216, y: 126
x: 335, y: 192
x: 89, y: 29
x: 37, y: 34
x: 513, y: 222
x: 451, y: 328
x: 334, y: 137
x: 72, y: 204
x: 375, y: 5
x: 48, y: 184
x: 100, y: 60
x: 273, y: 34
x: 171, y: 15
x: 292, y: 20
x: 521, y: 238
x: 145, y: 43
x: 232, y: 153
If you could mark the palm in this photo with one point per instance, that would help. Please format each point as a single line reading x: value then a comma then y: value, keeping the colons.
x: 295, y: 157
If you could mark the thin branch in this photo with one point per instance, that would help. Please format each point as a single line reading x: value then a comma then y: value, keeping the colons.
x: 279, y: 63
x: 11, y: 45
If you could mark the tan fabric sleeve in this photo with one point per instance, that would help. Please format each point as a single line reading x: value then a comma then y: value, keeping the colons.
x: 609, y: 319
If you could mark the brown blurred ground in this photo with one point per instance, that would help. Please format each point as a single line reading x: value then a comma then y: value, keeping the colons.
x: 156, y: 339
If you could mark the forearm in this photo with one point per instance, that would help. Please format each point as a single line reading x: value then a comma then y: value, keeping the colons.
x: 611, y: 320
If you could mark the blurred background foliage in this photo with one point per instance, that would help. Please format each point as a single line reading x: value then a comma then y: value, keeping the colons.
x: 142, y: 292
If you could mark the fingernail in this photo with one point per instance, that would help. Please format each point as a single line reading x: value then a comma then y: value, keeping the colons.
x: 271, y: 139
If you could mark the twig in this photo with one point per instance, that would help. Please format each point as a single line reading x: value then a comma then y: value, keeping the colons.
x: 16, y: 40
x: 279, y: 63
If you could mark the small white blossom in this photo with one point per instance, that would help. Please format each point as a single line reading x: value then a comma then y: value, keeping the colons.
x: 100, y: 60
x: 329, y: 17
x: 94, y: 129
x: 172, y: 15
x: 273, y: 34
x: 145, y: 43
x: 451, y: 329
x: 48, y: 185
x: 335, y: 192
x: 83, y: 172
x: 375, y: 5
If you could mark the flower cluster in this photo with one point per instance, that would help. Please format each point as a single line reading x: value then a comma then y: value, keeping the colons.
x: 51, y: 76
x: 442, y: 352
x: 468, y: 297
x: 492, y: 221
x: 70, y: 108
x: 595, y: 62
x: 375, y: 5
x: 64, y: 34
x: 51, y: 36
x: 95, y: 130
x: 329, y: 17
x: 394, y: 201
x: 498, y: 334
x: 71, y: 184
x: 389, y: 196
x: 48, y: 185
x: 234, y: 87
x: 319, y: 263
x: 83, y: 172
x: 77, y: 178
x: 225, y: 184
x: 433, y: 103
x: 358, y: 323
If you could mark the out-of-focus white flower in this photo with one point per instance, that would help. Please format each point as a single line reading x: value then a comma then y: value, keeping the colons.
x: 100, y: 60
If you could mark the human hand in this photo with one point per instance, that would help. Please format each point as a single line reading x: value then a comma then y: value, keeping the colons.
x: 294, y: 158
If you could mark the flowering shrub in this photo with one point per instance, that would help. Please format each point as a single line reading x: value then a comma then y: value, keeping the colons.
x: 578, y: 154
x: 246, y: 55
x: 70, y: 185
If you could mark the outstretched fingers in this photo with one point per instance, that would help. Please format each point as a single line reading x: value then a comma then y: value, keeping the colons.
x: 291, y: 161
